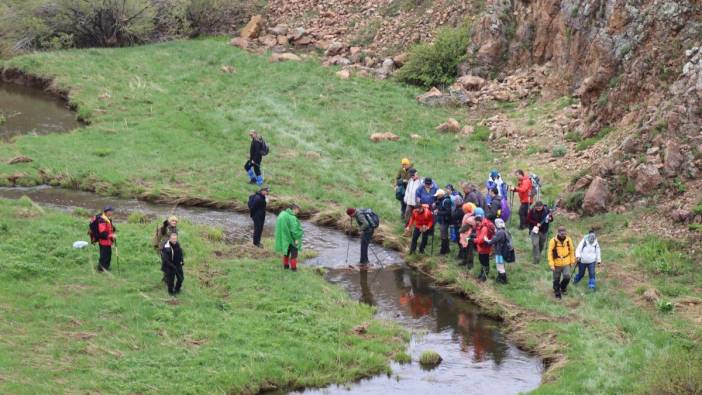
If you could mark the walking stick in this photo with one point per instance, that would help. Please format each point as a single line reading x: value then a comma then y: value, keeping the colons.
x: 511, y: 207
x: 116, y: 256
x: 348, y: 243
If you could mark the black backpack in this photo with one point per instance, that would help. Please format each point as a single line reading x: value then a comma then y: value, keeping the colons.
x: 508, y: 252
x: 372, y: 218
x: 93, y: 228
x: 265, y: 150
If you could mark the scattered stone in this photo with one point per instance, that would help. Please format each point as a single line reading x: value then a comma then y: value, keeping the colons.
x: 227, y: 69
x: 582, y: 183
x: 239, y: 42
x: 334, y: 49
x: 361, y: 329
x: 388, y: 66
x: 400, y: 59
x: 471, y: 82
x: 450, y: 126
x: 415, y: 136
x: 648, y: 178
x: 673, y: 159
x: 338, y: 61
x: 279, y: 30
x: 681, y: 216
x: 651, y: 295
x: 282, y: 40
x: 653, y: 151
x: 253, y: 28
x: 19, y: 159
x: 313, y: 155
x: 467, y: 130
x: 387, y: 136
x: 432, y: 98
x: 306, y: 40
x: 343, y: 74
x: 298, y: 33
x: 281, y: 57
x: 596, y: 197
x: 268, y: 40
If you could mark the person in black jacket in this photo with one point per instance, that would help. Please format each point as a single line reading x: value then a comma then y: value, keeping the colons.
x: 172, y: 261
x: 257, y: 210
x: 493, y: 210
x: 253, y: 165
x: 444, y: 209
x: 538, y: 219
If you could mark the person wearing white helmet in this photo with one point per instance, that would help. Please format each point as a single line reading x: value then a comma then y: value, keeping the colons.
x: 502, y: 244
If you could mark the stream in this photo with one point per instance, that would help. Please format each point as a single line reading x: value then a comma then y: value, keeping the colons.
x: 477, y: 358
x: 31, y: 111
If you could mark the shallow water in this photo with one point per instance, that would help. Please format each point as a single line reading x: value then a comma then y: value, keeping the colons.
x: 32, y: 111
x: 477, y: 359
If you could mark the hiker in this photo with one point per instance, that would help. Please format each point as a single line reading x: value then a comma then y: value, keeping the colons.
x: 502, y: 243
x: 411, y: 192
x: 367, y: 222
x: 256, y: 152
x: 473, y: 195
x: 467, y: 236
x: 444, y: 209
x: 257, y: 211
x: 107, y: 237
x: 172, y: 264
x: 401, y: 181
x: 163, y: 232
x: 561, y: 256
x: 423, y: 220
x: 538, y: 219
x: 485, y: 230
x: 494, y: 208
x: 288, y: 236
x: 587, y: 256
x: 495, y: 181
x: 523, y: 188
x: 456, y: 215
x: 426, y: 194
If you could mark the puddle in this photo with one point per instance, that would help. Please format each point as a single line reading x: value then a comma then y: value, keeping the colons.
x: 477, y: 359
x: 26, y: 110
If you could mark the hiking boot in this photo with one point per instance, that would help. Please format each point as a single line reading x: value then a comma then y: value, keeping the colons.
x: 294, y: 269
x: 557, y: 294
x: 252, y: 181
x: 482, y: 277
x: 286, y: 267
x: 564, y: 286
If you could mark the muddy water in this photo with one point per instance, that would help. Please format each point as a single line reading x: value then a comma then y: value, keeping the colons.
x: 477, y: 359
x: 31, y: 111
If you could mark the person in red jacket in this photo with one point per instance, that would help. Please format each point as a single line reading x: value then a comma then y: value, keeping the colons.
x: 523, y: 188
x: 106, y: 238
x: 485, y: 231
x: 423, y: 220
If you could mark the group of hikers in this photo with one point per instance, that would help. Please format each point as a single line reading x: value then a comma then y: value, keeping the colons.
x: 475, y: 222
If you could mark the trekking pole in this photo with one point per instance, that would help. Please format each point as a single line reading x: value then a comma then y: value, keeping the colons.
x: 376, y: 257
x: 511, y: 207
x: 432, y: 243
x: 116, y: 256
x: 348, y: 243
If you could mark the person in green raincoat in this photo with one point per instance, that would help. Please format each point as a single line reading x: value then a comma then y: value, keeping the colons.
x: 288, y: 236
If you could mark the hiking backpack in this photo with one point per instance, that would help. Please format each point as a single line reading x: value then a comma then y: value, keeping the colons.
x: 535, y: 186
x: 251, y: 201
x: 508, y: 253
x: 93, y: 229
x: 371, y: 217
x: 265, y: 150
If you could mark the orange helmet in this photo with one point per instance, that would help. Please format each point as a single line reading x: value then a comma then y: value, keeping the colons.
x: 468, y: 207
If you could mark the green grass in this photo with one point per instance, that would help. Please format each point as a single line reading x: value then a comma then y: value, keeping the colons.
x: 176, y: 125
x: 240, y: 325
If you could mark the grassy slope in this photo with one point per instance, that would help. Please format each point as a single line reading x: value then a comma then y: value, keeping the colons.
x: 241, y: 325
x: 612, y: 342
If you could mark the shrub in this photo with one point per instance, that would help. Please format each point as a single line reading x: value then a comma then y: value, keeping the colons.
x: 558, y: 151
x: 137, y: 217
x: 402, y: 358
x: 573, y: 137
x: 102, y: 23
x: 215, y: 234
x: 430, y: 358
x: 480, y: 133
x: 574, y: 201
x: 216, y: 16
x: 664, y: 306
x: 436, y: 63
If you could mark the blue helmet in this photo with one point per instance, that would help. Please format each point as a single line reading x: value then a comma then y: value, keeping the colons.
x: 478, y: 212
x: 494, y: 173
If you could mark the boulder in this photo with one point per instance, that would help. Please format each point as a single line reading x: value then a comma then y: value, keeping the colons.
x: 334, y: 49
x: 472, y: 83
x: 387, y: 136
x: 355, y: 50
x: 281, y: 57
x: 647, y: 179
x: 427, y: 96
x: 467, y: 130
x: 450, y: 126
x: 279, y: 30
x: 297, y: 33
x: 673, y: 159
x: 400, y: 59
x: 651, y: 295
x: 268, y: 41
x: 596, y: 197
x: 19, y: 159
x: 253, y: 28
x: 338, y: 61
x: 239, y: 42
x: 304, y: 40
x: 681, y: 216
x: 282, y: 40
x: 582, y: 183
x: 344, y: 74
x: 388, y: 66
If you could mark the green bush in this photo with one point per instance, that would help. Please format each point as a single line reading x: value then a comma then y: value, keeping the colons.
x: 402, y: 358
x: 429, y: 358
x: 558, y: 151
x: 574, y: 201
x: 573, y: 136
x: 480, y: 133
x: 432, y: 64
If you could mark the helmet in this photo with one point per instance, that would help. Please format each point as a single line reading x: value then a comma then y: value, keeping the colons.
x: 440, y: 193
x: 479, y: 213
x: 494, y: 173
x: 468, y: 207
x: 405, y: 161
x: 499, y: 223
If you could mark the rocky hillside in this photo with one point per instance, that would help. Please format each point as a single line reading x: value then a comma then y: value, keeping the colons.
x: 634, y: 65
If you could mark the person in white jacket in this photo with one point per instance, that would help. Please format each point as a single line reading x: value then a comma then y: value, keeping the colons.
x: 411, y: 191
x: 588, y: 255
